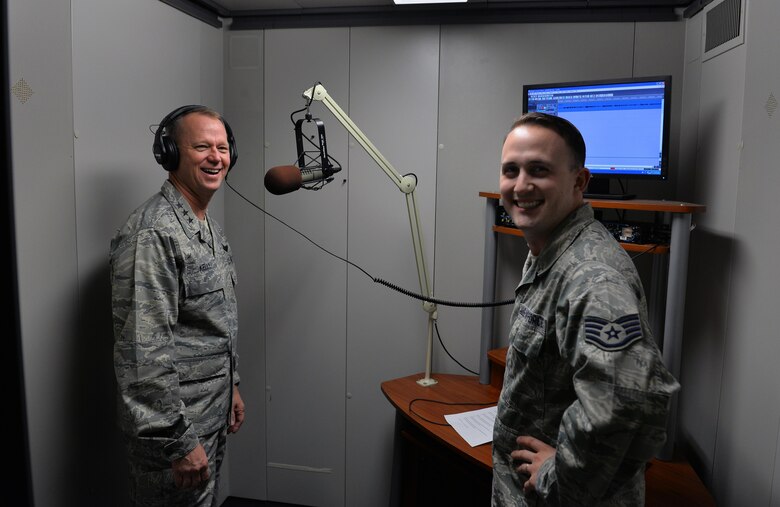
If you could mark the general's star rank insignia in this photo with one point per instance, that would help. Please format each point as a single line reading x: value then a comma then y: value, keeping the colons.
x: 613, y: 335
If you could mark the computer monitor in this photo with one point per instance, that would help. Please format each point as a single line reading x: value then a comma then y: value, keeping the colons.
x: 625, y: 124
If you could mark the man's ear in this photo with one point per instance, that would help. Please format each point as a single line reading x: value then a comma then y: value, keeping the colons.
x: 583, y: 177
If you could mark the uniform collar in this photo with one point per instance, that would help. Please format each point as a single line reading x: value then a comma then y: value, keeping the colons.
x: 562, y: 238
x: 181, y: 208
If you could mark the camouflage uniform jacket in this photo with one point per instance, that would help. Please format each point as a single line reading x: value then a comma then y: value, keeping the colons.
x: 175, y: 326
x: 583, y: 374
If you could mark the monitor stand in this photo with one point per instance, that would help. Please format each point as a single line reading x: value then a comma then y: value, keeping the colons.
x: 598, y: 188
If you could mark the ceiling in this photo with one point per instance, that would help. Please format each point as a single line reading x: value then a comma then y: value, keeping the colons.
x: 258, y: 14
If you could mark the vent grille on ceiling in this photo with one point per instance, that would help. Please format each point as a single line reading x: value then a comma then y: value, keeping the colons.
x: 724, y: 23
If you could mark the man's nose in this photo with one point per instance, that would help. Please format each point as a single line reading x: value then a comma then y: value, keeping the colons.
x: 214, y: 155
x: 522, y: 182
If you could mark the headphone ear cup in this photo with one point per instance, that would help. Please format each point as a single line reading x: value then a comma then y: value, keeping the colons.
x: 233, y: 149
x: 233, y: 155
x: 164, y: 147
x: 170, y: 154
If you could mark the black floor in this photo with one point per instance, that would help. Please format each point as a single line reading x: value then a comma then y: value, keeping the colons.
x: 233, y: 501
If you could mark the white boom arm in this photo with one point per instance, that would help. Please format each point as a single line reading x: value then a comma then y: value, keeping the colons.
x: 405, y: 184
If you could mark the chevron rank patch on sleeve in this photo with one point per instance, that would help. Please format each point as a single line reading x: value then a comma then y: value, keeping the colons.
x: 613, y: 335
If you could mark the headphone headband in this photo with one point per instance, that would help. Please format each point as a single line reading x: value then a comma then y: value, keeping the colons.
x: 164, y: 148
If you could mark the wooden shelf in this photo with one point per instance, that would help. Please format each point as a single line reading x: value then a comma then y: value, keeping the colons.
x: 630, y: 204
x: 633, y: 204
x: 630, y: 247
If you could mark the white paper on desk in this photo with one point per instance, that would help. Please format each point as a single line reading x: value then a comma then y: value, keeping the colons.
x: 475, y: 426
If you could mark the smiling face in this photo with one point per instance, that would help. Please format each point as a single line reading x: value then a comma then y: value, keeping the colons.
x: 204, y: 159
x: 540, y: 182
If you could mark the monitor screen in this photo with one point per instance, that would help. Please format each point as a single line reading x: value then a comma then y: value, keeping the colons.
x: 625, y: 122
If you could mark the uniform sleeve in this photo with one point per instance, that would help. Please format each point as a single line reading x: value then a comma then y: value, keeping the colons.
x: 618, y: 421
x: 234, y: 349
x: 145, y: 288
x: 233, y: 276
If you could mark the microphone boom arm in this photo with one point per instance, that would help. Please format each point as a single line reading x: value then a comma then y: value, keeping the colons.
x: 407, y: 185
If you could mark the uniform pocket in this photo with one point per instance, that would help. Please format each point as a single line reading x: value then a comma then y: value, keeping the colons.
x: 202, y: 368
x: 203, y: 278
x: 528, y: 332
x: 204, y: 387
x: 523, y: 392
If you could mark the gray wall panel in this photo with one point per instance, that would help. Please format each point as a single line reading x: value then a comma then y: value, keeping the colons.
x: 775, y: 500
x: 653, y: 43
x: 705, y: 322
x: 746, y: 448
x: 305, y: 289
x: 394, y: 101
x: 690, y: 79
x: 210, y: 67
x: 720, y: 134
x: 245, y: 228
x: 718, y: 128
x: 730, y: 403
x: 110, y: 77
x: 47, y: 257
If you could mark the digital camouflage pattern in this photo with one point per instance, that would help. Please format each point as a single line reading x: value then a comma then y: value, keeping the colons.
x: 175, y: 327
x: 583, y: 374
x: 151, y: 486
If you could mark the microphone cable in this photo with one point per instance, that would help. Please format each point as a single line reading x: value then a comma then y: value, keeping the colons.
x: 397, y: 288
x: 444, y: 347
x: 307, y: 106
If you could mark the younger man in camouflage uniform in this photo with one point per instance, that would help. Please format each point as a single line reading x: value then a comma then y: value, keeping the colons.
x: 175, y: 320
x: 586, y: 395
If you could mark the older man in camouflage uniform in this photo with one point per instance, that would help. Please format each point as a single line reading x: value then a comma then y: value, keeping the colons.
x: 585, y: 396
x: 175, y: 321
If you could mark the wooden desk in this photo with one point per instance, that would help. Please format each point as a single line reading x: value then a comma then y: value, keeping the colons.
x: 450, y: 389
x: 440, y: 468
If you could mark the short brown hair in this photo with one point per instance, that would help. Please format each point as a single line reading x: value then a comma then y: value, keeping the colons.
x: 172, y: 130
x: 561, y: 126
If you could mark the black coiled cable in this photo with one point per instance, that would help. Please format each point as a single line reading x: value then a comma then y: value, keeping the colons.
x: 442, y: 302
x: 380, y: 281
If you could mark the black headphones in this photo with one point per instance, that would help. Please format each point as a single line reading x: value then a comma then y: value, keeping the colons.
x: 166, y: 153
